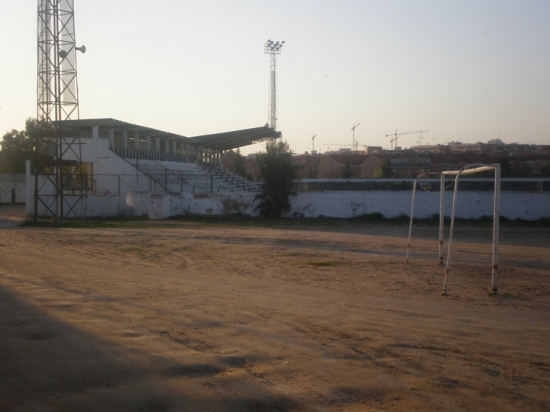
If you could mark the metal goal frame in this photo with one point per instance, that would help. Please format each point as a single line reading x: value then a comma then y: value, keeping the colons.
x: 471, y: 169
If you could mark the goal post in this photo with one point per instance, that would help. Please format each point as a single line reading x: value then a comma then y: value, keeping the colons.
x: 441, y: 203
x: 471, y: 169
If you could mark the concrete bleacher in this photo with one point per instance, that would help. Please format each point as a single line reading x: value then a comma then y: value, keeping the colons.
x: 181, y: 176
x: 239, y: 183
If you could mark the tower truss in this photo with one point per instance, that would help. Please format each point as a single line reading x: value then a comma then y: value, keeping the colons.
x: 58, y: 161
x: 273, y: 49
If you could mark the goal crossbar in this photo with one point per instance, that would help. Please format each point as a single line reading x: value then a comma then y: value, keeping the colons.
x: 471, y: 169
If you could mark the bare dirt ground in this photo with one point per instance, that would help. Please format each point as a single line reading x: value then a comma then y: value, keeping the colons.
x: 199, y: 317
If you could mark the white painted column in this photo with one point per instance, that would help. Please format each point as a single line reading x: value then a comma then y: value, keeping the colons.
x: 175, y: 147
x: 157, y: 144
x: 95, y: 139
x: 125, y: 140
x: 29, y: 189
x: 136, y: 140
x: 167, y: 146
x: 148, y: 143
x: 111, y: 138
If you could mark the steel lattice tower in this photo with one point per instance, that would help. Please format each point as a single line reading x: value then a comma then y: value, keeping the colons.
x: 273, y: 48
x: 57, y: 101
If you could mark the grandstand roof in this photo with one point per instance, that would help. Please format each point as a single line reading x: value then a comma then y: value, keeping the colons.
x: 237, y: 138
x: 217, y: 141
x: 117, y: 125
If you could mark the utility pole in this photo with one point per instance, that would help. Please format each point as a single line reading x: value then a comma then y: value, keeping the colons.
x: 313, y: 144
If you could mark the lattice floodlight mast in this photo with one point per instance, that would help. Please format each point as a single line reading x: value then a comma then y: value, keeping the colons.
x: 57, y: 101
x: 273, y: 48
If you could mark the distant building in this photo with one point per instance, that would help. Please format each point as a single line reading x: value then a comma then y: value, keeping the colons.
x: 373, y: 149
x: 401, y: 164
x: 494, y: 146
x: 308, y: 165
x: 332, y: 166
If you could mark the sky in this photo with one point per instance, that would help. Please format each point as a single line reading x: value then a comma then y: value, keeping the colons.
x: 466, y: 70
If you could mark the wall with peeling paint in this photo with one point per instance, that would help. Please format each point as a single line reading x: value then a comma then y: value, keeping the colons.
x: 514, y: 205
x: 12, y: 188
x: 528, y: 206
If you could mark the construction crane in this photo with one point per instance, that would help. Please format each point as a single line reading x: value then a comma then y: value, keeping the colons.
x: 353, y: 130
x: 393, y: 147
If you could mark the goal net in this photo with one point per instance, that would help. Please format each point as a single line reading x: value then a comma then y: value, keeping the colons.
x: 471, y: 169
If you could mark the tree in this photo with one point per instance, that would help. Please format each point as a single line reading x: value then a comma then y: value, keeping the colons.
x: 545, y: 170
x: 524, y: 171
x: 505, y: 167
x: 347, y: 170
x: 278, y: 172
x: 18, y: 146
x: 385, y: 170
x: 239, y: 164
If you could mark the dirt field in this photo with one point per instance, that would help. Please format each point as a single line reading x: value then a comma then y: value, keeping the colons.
x: 200, y: 317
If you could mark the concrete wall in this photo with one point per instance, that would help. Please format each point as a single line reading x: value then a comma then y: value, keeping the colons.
x: 527, y: 206
x: 12, y: 188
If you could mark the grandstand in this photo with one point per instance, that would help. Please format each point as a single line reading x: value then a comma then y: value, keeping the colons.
x: 118, y: 158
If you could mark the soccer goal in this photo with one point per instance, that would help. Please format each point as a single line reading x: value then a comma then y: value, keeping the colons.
x: 471, y: 169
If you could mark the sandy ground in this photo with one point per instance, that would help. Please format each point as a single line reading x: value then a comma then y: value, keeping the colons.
x: 195, y: 317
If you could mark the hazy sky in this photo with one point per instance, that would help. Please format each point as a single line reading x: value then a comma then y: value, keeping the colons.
x: 466, y: 70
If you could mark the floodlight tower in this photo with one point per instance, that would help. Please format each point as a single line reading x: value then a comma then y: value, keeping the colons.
x: 57, y: 101
x: 57, y: 81
x: 273, y: 48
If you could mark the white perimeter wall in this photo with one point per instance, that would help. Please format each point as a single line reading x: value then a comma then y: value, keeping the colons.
x: 12, y: 185
x: 527, y: 206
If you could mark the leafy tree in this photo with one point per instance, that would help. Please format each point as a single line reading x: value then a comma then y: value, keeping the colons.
x: 524, y: 171
x: 239, y: 164
x: 18, y: 146
x: 385, y: 170
x: 505, y: 167
x: 277, y: 172
x: 346, y: 170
